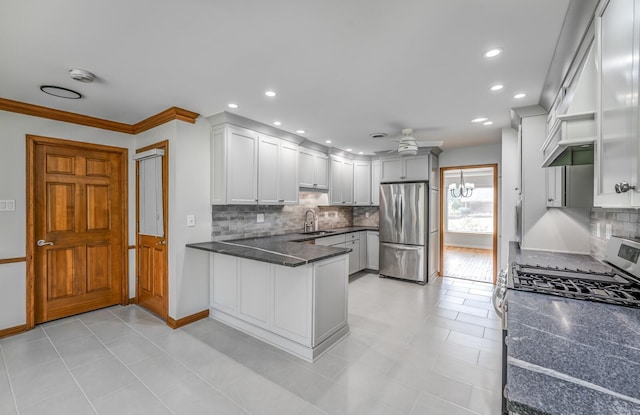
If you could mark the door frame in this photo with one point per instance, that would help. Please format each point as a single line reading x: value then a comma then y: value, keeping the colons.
x: 164, y: 145
x: 32, y: 141
x: 443, y: 192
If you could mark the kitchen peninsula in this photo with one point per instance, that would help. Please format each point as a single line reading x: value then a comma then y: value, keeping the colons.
x: 285, y: 289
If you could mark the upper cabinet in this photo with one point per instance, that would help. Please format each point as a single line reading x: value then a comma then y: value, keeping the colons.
x: 341, y: 187
x: 617, y: 148
x: 375, y: 182
x: 405, y: 168
x: 313, y: 169
x: 248, y: 167
x: 362, y: 183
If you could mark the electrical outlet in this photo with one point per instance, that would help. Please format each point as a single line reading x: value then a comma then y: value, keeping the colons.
x: 607, y: 231
x: 326, y: 215
x: 598, y: 229
x: 191, y: 220
x: 366, y: 214
x: 260, y: 218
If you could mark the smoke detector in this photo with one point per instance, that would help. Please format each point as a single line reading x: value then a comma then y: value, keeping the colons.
x: 81, y: 75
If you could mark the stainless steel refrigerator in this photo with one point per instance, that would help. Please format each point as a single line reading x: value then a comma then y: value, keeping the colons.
x: 404, y: 230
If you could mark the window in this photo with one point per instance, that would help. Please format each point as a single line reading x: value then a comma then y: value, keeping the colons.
x: 471, y: 214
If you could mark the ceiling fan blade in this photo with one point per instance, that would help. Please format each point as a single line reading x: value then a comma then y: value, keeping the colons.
x: 430, y: 143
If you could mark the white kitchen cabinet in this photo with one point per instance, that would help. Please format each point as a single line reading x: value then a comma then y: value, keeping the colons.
x: 434, y: 255
x: 354, y: 255
x: 249, y: 168
x: 554, y: 196
x: 277, y: 171
x: 617, y: 144
x: 356, y: 241
x: 373, y: 249
x: 375, y: 182
x: 405, y: 168
x: 234, y: 166
x: 341, y: 187
x: 362, y: 183
x: 434, y: 176
x: 313, y: 169
x: 301, y: 310
x: 363, y: 250
x: 569, y: 186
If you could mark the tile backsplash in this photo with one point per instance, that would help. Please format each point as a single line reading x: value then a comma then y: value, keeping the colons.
x: 365, y: 216
x: 624, y: 222
x: 239, y: 221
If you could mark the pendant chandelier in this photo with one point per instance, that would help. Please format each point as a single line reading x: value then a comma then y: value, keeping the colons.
x: 461, y: 189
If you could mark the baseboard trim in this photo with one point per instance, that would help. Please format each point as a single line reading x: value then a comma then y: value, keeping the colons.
x: 176, y: 324
x: 13, y: 330
x: 133, y: 300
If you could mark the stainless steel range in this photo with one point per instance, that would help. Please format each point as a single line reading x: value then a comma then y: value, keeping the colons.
x: 616, y: 282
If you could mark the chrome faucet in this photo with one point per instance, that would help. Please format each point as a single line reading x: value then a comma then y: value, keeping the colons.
x: 310, y: 225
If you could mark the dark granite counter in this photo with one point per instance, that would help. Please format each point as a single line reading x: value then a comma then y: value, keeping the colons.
x: 571, y: 356
x: 292, y: 250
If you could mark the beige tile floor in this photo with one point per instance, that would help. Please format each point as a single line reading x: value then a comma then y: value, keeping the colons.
x: 412, y: 350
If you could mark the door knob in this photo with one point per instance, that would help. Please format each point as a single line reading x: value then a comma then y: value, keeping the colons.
x: 42, y: 242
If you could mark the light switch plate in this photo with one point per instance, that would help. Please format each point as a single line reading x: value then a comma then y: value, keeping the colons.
x: 326, y: 214
x: 260, y: 218
x: 191, y: 220
x: 607, y: 231
x: 7, y: 205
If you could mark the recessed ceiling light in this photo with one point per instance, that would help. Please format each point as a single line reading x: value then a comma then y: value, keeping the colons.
x: 328, y: 141
x: 270, y: 93
x: 60, y: 92
x: 234, y: 106
x: 518, y: 96
x: 277, y: 123
x: 492, y: 53
x: 301, y: 131
x: 487, y: 123
x: 378, y: 135
x: 480, y: 119
x: 349, y: 149
x: 497, y: 87
x: 361, y: 152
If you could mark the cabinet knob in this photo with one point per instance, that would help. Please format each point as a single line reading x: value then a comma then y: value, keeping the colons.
x: 623, y: 187
x: 549, y: 200
x: 281, y: 200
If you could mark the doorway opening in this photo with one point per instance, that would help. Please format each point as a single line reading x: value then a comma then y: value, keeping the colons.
x: 469, y: 206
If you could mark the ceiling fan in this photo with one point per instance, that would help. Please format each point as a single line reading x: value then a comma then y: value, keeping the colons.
x: 408, y: 146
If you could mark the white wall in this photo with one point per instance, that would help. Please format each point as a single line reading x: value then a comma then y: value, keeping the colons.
x: 554, y: 229
x: 508, y: 193
x: 14, y: 128
x: 189, y: 189
x: 468, y: 240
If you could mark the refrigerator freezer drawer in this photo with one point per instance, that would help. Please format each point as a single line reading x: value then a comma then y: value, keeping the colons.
x: 403, y: 261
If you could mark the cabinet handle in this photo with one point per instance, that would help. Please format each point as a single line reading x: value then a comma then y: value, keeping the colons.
x: 623, y: 187
x: 281, y: 200
x: 315, y: 185
x: 549, y: 200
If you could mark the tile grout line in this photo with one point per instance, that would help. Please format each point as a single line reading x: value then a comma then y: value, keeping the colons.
x: 69, y: 370
x: 124, y: 364
x: 6, y: 370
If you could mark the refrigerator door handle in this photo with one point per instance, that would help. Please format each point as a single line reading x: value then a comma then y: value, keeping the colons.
x: 401, y: 211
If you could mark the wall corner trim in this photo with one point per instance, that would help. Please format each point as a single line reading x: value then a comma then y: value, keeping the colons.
x: 176, y: 324
x: 170, y: 114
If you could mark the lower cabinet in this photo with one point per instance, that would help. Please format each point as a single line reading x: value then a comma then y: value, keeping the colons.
x: 302, y: 310
x: 373, y: 250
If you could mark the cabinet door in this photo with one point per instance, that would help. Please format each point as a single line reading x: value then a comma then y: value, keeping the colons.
x: 224, y: 283
x: 321, y: 171
x: 335, y: 190
x: 292, y: 303
x: 330, y: 297
x: 555, y: 186
x: 242, y: 167
x: 347, y: 183
x: 392, y: 169
x: 362, y: 183
x: 434, y: 167
x: 375, y: 183
x: 373, y: 247
x: 616, y: 156
x: 254, y: 282
x: 416, y: 168
x: 354, y: 255
x: 434, y: 255
x: 288, y: 172
x: 306, y: 167
x: 268, y: 176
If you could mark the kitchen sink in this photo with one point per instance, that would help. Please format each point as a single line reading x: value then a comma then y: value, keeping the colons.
x: 316, y: 233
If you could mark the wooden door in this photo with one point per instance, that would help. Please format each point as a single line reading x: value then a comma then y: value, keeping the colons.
x: 77, y: 214
x: 151, y: 212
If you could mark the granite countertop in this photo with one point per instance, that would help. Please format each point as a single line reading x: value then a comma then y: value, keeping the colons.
x: 287, y: 249
x: 570, y: 356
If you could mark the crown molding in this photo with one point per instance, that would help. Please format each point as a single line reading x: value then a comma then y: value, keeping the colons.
x: 171, y: 114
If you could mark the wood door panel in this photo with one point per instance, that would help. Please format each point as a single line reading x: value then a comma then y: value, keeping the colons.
x: 152, y: 274
x: 97, y: 205
x: 60, y: 207
x: 60, y: 273
x: 98, y: 275
x: 98, y: 168
x: 60, y: 164
x: 78, y: 194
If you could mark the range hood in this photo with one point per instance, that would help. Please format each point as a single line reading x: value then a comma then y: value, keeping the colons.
x: 570, y: 141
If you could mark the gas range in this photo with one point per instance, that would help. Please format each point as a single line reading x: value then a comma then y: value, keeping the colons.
x: 610, y: 287
x: 617, y: 281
